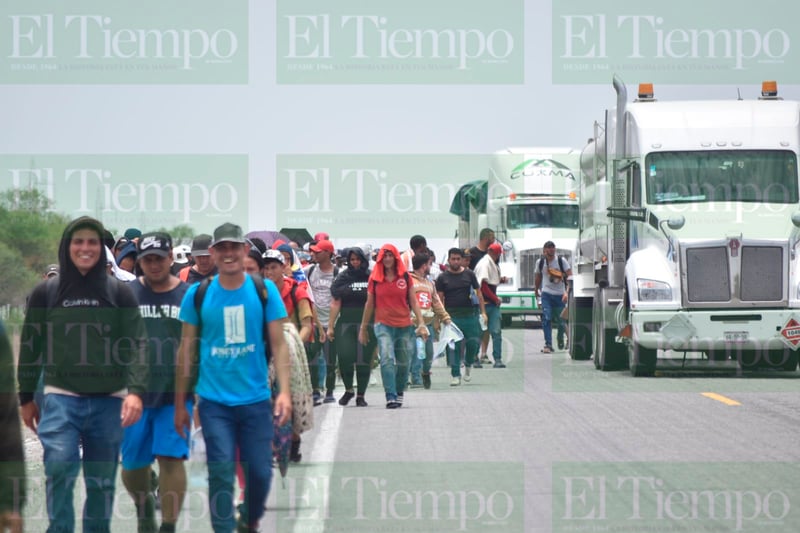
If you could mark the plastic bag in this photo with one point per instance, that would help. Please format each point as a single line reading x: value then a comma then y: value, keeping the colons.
x: 197, y: 448
x: 450, y: 334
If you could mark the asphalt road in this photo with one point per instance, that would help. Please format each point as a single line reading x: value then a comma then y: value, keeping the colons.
x: 547, y: 444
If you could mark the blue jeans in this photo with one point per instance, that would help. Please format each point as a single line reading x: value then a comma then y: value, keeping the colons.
x: 94, y: 423
x: 226, y: 428
x: 493, y: 314
x: 468, y: 347
x: 551, y: 311
x: 420, y: 366
x: 395, y: 348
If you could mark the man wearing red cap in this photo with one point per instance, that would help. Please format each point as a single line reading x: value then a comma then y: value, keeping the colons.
x: 320, y: 278
x: 488, y: 273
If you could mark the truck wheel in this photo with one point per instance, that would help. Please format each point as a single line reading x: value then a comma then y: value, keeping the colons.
x: 505, y: 321
x: 608, y: 355
x: 749, y: 359
x: 785, y: 359
x: 579, y: 327
x: 641, y: 360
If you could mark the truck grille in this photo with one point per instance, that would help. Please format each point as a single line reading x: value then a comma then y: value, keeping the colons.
x: 529, y: 259
x: 754, y: 275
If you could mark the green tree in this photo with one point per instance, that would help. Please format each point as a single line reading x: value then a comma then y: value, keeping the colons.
x: 30, y: 235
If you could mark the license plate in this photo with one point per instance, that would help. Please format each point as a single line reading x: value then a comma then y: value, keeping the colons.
x: 736, y: 337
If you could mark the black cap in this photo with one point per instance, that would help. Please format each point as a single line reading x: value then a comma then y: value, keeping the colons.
x: 200, y: 245
x: 155, y: 243
x: 228, y: 233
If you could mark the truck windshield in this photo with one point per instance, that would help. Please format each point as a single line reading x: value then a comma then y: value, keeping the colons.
x: 527, y: 216
x: 768, y: 176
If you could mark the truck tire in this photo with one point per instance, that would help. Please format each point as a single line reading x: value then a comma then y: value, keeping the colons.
x: 785, y: 359
x: 579, y: 327
x: 641, y: 360
x: 608, y: 355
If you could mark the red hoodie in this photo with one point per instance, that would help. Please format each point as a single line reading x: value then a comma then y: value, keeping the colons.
x: 391, y: 297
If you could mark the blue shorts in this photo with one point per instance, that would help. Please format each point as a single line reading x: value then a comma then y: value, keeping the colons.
x: 154, y: 434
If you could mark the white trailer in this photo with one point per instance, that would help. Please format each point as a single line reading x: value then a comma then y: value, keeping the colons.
x: 530, y: 197
x: 689, y: 235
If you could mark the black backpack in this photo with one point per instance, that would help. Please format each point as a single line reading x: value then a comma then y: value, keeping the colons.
x: 560, y: 266
x: 51, y: 287
x: 261, y: 289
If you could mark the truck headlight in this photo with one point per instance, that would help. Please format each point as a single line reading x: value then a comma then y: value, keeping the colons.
x: 653, y: 291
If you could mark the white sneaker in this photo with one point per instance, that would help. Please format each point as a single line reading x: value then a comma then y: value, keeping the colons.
x: 455, y: 382
x: 467, y: 377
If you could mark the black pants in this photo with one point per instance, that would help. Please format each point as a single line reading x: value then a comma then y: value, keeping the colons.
x: 353, y: 356
x: 314, y: 351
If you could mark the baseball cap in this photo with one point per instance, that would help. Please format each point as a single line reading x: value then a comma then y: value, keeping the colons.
x: 200, y: 245
x: 322, y: 236
x: 155, y: 243
x: 323, y: 246
x: 228, y: 233
x: 51, y: 271
x: 273, y: 255
x: 496, y: 248
x: 132, y: 233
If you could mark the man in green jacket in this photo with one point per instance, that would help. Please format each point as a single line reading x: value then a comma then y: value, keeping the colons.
x: 84, y: 334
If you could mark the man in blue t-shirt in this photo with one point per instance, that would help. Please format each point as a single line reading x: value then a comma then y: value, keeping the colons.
x: 234, y: 396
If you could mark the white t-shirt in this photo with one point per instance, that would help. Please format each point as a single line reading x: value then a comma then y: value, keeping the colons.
x: 488, y: 270
x: 552, y: 285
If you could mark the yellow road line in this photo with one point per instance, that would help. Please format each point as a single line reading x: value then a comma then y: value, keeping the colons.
x: 720, y: 398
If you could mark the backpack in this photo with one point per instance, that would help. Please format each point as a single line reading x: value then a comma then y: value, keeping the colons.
x: 261, y: 289
x: 314, y: 267
x: 553, y: 272
x: 52, y: 291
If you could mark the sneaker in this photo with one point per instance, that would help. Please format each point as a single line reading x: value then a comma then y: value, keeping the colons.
x: 361, y: 402
x: 467, y: 376
x: 561, y: 344
x: 476, y: 364
x: 294, y: 453
x: 485, y: 359
x: 455, y: 381
x: 241, y: 527
x: 346, y: 397
x: 426, y: 380
x: 392, y: 404
x: 146, y: 516
x: 399, y: 400
x: 329, y: 398
x: 499, y: 364
x: 317, y: 398
x: 415, y: 386
x: 547, y: 349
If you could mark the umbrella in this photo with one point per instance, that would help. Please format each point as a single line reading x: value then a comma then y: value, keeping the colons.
x: 269, y: 237
x: 281, y: 447
x: 299, y: 235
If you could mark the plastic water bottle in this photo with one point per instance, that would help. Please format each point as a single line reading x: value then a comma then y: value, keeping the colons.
x: 420, y: 348
x: 482, y: 322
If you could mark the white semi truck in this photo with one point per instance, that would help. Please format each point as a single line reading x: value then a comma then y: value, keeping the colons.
x: 529, y: 198
x: 689, y: 235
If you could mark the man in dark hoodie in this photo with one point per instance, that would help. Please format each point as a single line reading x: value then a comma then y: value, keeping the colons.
x: 84, y: 333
